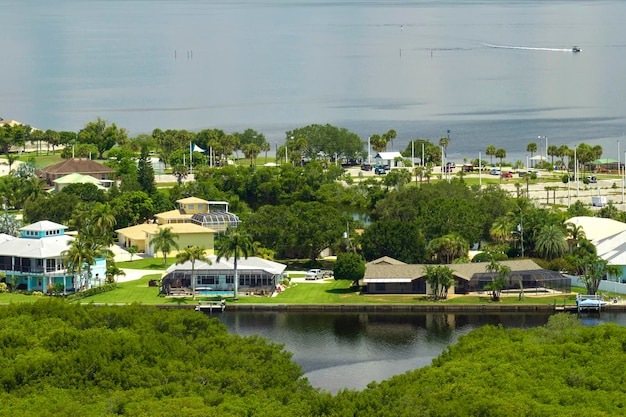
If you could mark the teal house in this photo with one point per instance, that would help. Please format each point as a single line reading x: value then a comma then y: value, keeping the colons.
x: 34, y: 261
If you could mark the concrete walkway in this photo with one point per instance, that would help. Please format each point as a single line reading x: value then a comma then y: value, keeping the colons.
x: 135, y: 274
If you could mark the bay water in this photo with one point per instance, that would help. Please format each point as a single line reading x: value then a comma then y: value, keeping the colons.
x: 489, y: 72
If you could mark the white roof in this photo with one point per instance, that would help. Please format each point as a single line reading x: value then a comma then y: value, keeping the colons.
x: 243, y: 264
x: 389, y: 155
x: 44, y: 248
x: 43, y: 226
x: 598, y: 228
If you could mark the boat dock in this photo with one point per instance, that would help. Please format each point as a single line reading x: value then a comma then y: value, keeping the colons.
x: 589, y: 303
x: 211, y: 306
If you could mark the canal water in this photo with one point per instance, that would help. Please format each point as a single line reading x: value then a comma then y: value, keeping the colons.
x: 350, y: 350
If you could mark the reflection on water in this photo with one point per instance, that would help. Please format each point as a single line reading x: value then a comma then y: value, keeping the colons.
x: 350, y: 350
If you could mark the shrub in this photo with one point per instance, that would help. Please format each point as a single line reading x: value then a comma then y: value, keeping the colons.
x: 3, y: 287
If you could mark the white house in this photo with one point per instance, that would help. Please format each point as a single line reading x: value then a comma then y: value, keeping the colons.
x: 34, y: 261
x: 388, y: 158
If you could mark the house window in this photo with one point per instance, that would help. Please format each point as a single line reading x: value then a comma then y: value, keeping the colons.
x: 190, y: 207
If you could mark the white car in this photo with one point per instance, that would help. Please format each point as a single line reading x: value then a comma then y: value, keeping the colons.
x: 313, y: 274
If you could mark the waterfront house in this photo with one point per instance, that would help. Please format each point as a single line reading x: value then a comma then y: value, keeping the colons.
x: 394, y: 277
x: 34, y: 261
x: 256, y: 276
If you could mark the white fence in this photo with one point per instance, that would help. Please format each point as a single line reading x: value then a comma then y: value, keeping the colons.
x: 609, y: 286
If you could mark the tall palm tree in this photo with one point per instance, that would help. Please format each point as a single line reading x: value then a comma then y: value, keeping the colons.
x: 551, y: 242
x: 192, y: 254
x: 235, y: 244
x: 490, y: 151
x: 165, y: 240
x: 79, y: 254
x: 532, y: 148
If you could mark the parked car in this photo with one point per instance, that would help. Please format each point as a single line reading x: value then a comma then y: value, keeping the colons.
x: 312, y: 274
x: 507, y: 175
x: 592, y: 179
x: 380, y: 171
x: 366, y: 167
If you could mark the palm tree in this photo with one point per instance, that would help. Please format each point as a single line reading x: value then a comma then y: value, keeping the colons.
x: 447, y: 248
x: 79, y: 254
x: 553, y: 151
x: 551, y: 242
x: 501, y: 154
x: 532, y: 148
x: 502, y: 229
x: 192, y: 254
x: 165, y: 240
x: 575, y: 234
x: 491, y: 151
x: 132, y: 250
x: 235, y: 244
x: 499, y: 280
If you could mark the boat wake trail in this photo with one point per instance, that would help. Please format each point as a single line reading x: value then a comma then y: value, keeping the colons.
x: 527, y: 48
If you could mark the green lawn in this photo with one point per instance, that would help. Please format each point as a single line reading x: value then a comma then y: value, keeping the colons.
x: 147, y: 263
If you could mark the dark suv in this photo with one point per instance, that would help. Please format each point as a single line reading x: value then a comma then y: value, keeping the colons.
x: 366, y: 167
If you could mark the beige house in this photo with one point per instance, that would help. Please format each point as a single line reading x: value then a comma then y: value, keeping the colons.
x: 211, y: 214
x: 195, y: 221
x: 390, y: 276
x: 189, y: 234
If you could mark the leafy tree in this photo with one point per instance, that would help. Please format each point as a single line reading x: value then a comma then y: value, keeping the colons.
x: 86, y: 192
x: 315, y: 140
x: 165, y: 240
x: 102, y: 135
x: 394, y: 238
x: 57, y: 208
x: 378, y: 142
x: 350, y: 266
x: 235, y: 244
x: 193, y: 254
x: 181, y: 172
x: 440, y: 278
x: 578, y: 209
x: 595, y: 269
x: 9, y: 224
x: 132, y: 208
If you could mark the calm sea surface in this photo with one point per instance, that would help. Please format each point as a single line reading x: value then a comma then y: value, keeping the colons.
x: 491, y: 72
x: 350, y: 350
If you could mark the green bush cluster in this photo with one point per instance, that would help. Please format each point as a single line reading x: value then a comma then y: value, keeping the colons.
x: 91, y: 291
x: 83, y: 360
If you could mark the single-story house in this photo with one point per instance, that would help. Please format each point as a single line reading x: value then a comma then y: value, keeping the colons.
x: 34, y: 261
x: 390, y: 276
x: 255, y: 275
x: 388, y: 158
